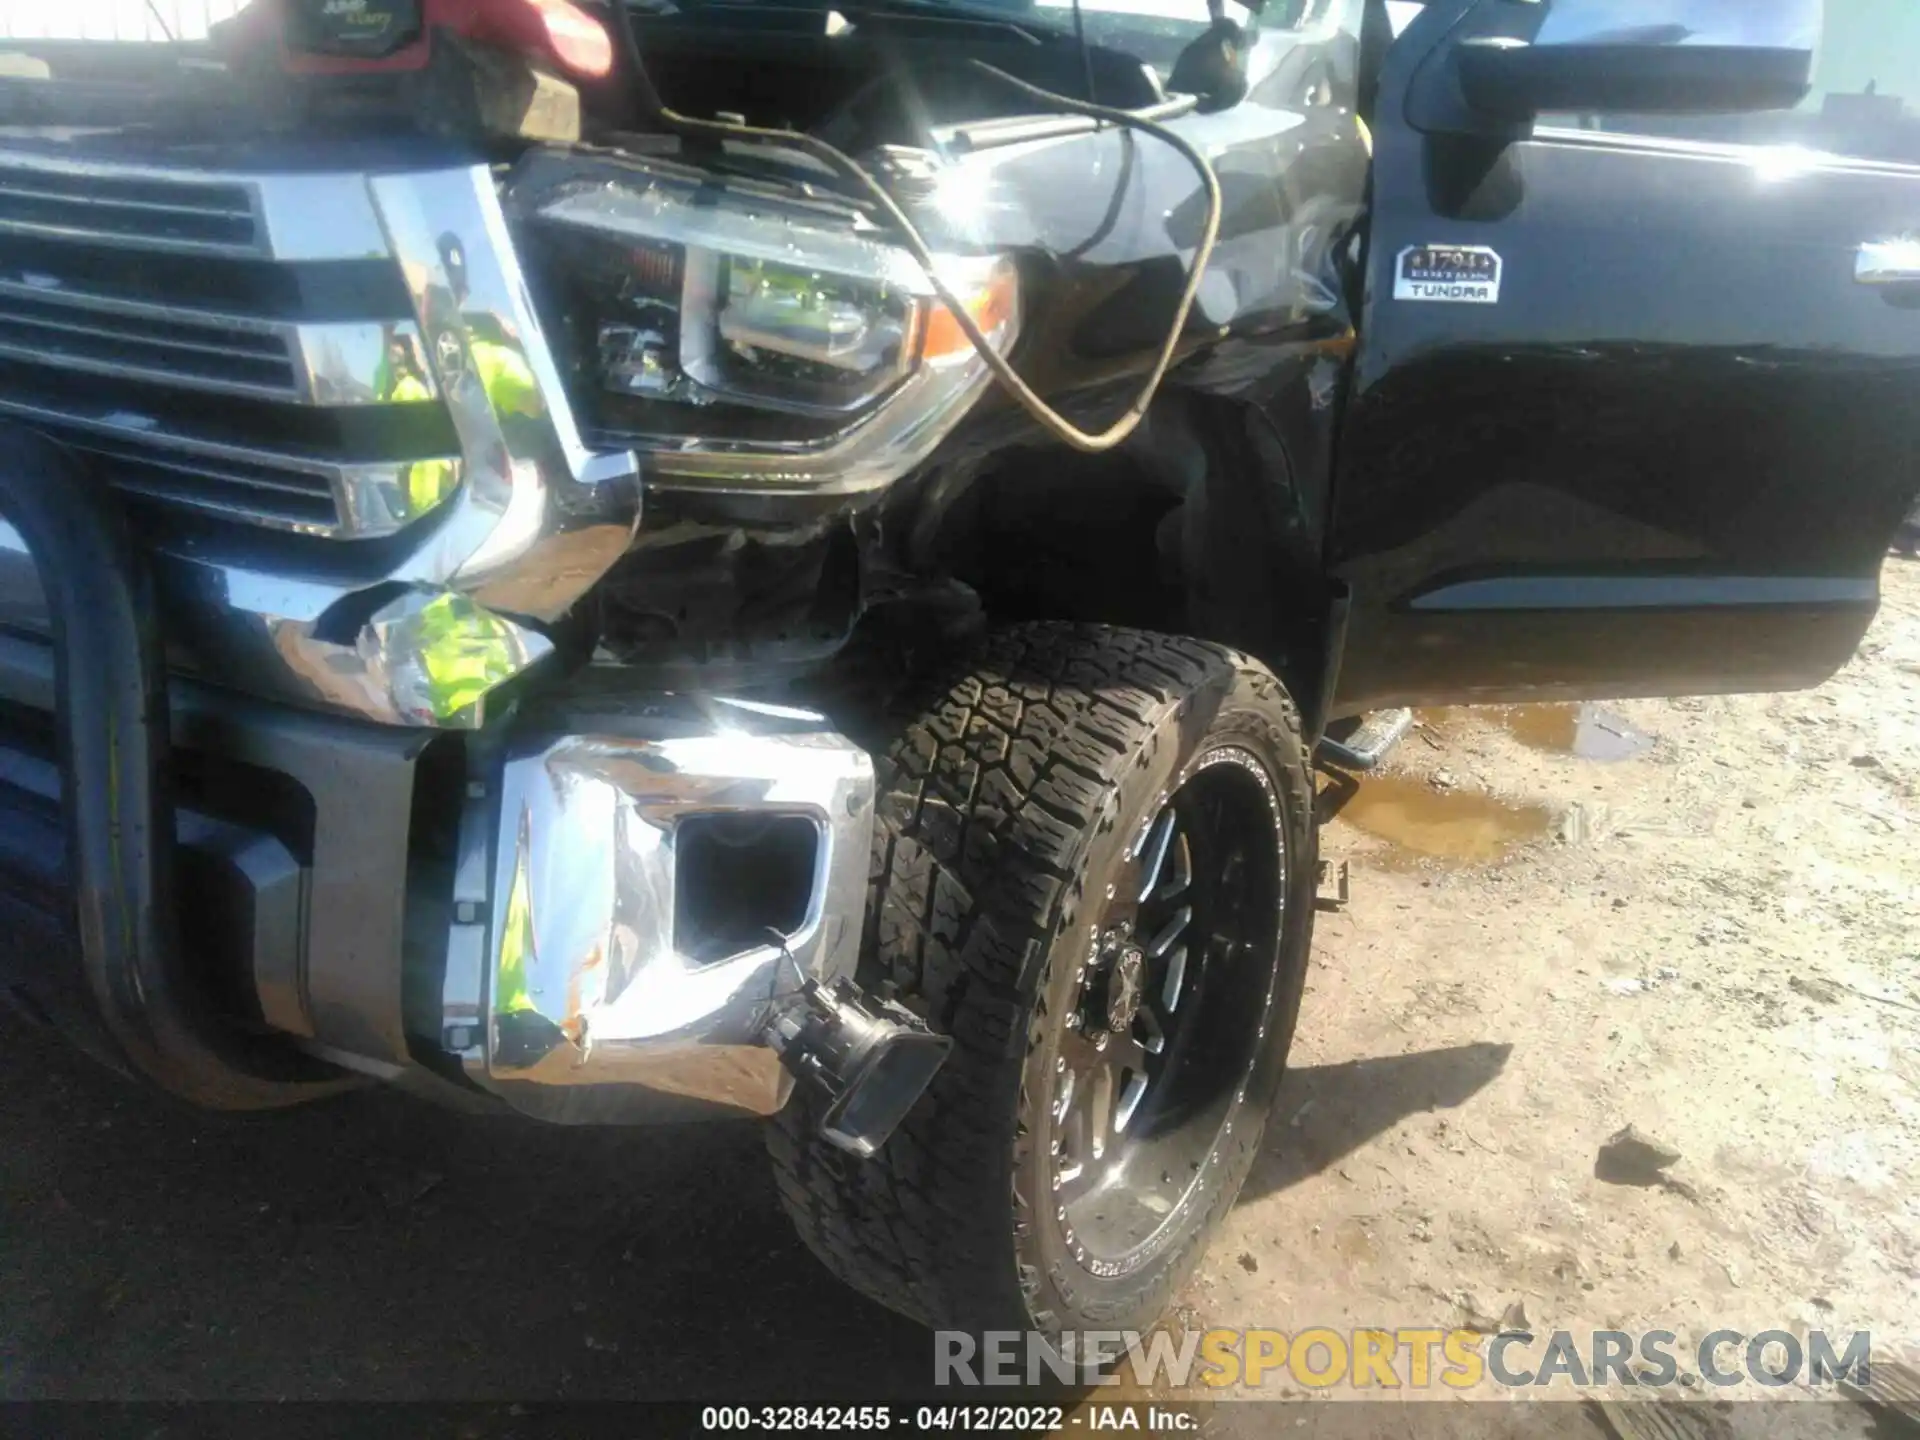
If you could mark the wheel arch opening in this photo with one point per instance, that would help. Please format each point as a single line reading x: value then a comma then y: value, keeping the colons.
x: 1197, y: 526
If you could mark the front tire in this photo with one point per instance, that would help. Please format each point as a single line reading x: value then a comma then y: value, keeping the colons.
x: 1085, y: 812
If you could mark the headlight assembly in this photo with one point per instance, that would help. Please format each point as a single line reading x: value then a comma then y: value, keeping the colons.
x: 745, y: 341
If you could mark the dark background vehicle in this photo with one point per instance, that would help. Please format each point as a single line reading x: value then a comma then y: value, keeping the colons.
x: 514, y: 593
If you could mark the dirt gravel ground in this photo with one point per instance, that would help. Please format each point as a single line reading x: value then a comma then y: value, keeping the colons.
x: 1713, y: 939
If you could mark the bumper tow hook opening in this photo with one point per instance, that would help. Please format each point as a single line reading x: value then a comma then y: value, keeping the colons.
x: 872, y: 1058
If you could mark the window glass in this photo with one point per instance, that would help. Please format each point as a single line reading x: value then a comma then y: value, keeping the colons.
x: 112, y: 19
x: 1865, y: 100
x: 1155, y: 30
x: 1305, y: 55
x: 1783, y: 24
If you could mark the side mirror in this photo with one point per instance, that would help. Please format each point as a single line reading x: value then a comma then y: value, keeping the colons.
x: 1513, y: 80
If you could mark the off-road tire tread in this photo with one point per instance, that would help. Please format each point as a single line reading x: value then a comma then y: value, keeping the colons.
x: 985, y: 802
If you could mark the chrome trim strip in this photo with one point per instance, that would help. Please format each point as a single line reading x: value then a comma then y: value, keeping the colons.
x: 374, y: 499
x: 540, y: 518
x: 318, y: 217
x: 367, y: 500
x: 170, y: 245
x: 108, y: 202
x: 88, y: 365
x: 293, y: 217
x: 275, y: 356
x: 1643, y: 592
x: 338, y: 362
x: 322, y: 490
x: 334, y: 363
x: 289, y: 517
x: 1775, y: 160
x: 58, y: 292
x: 144, y: 431
x: 370, y: 499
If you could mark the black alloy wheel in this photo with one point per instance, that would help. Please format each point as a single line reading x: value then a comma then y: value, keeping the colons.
x: 1171, y: 1010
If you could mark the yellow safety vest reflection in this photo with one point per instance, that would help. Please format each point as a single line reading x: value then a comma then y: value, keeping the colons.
x: 462, y: 663
x: 511, y: 390
x: 505, y: 377
x: 425, y: 483
x: 464, y: 655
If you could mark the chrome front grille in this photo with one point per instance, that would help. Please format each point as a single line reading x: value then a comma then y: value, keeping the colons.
x: 280, y: 488
x: 265, y: 495
x: 349, y: 270
x: 232, y: 345
x: 83, y: 202
x: 42, y: 320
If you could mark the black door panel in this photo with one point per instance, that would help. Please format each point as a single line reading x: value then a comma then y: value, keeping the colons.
x: 1669, y: 458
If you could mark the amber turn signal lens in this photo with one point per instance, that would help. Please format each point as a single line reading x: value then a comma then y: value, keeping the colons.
x: 991, y: 304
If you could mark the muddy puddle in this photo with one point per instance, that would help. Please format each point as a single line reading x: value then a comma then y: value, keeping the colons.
x: 1424, y: 824
x: 1585, y: 731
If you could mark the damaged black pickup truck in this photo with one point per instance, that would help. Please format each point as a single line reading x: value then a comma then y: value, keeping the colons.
x: 789, y: 559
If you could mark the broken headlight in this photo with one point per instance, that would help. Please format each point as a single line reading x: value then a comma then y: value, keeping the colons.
x: 748, y: 341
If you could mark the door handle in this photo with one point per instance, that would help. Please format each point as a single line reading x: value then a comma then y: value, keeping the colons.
x: 1888, y: 262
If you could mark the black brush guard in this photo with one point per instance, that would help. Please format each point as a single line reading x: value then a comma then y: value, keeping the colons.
x: 111, y: 733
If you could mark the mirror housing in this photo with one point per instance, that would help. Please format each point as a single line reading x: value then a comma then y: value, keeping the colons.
x: 1513, y: 80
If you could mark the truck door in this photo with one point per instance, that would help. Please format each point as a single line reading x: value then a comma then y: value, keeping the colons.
x: 1636, y: 405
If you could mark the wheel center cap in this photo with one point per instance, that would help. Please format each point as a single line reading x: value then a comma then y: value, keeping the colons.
x: 1123, y: 991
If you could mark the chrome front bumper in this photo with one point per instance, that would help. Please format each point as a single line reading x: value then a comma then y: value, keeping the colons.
x: 567, y: 990
x: 528, y: 940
